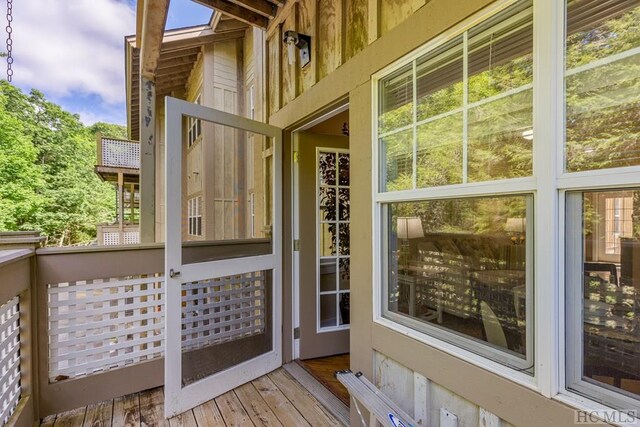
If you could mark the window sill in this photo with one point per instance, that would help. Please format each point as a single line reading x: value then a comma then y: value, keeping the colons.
x: 583, y: 403
x: 477, y: 360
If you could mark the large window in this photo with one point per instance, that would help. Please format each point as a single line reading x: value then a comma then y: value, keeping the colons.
x: 602, y: 101
x: 507, y: 172
x: 459, y: 268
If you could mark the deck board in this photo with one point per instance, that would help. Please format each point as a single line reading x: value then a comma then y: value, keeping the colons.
x: 276, y: 399
x: 306, y: 404
x: 256, y: 407
x: 208, y: 415
x: 152, y: 408
x: 186, y: 419
x: 126, y: 410
x: 279, y: 404
x: 73, y: 418
x: 99, y: 414
x: 232, y: 410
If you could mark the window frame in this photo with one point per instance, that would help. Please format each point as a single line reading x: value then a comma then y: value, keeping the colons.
x: 194, y: 212
x: 549, y: 184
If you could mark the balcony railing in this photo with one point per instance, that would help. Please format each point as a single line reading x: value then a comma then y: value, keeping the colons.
x: 118, y: 153
x: 112, y: 234
x: 100, y: 322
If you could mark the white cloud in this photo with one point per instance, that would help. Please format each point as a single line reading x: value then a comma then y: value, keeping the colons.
x: 72, y: 46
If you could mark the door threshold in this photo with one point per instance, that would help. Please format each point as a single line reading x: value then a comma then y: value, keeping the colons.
x: 334, y: 405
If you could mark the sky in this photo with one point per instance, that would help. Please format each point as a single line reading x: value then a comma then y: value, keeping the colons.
x: 73, y: 50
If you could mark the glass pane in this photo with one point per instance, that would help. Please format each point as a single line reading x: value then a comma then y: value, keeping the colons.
x: 344, y: 238
x: 439, y: 77
x: 345, y: 308
x: 611, y: 271
x: 343, y: 174
x: 501, y: 138
x: 328, y: 280
x: 225, y: 321
x: 602, y: 86
x: 327, y: 237
x: 345, y: 273
x: 501, y: 56
x: 344, y: 204
x: 397, y: 152
x: 460, y: 265
x: 396, y: 100
x: 327, y: 204
x: 327, y: 168
x: 328, y: 311
x: 439, y: 160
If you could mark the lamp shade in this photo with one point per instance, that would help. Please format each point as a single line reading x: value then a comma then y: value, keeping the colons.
x: 516, y: 225
x: 410, y: 228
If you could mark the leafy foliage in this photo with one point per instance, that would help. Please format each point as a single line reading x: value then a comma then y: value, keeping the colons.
x: 47, y: 158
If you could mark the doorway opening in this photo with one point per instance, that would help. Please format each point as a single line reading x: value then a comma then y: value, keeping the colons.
x: 321, y: 256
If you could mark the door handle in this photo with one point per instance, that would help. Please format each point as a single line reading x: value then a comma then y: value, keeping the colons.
x: 173, y: 273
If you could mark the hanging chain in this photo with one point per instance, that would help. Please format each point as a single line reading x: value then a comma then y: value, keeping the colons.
x: 9, y: 40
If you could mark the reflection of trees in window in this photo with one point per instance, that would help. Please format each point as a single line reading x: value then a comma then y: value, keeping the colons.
x: 476, y: 215
x: 603, y: 97
x: 481, y: 114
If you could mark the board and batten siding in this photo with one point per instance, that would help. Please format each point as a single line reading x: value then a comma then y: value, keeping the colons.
x: 339, y: 30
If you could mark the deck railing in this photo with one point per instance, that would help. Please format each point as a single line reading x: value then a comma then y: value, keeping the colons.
x: 111, y: 234
x: 17, y: 383
x: 101, y: 317
x: 98, y: 321
x: 118, y: 153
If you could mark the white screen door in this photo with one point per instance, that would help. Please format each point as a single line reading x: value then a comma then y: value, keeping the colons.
x: 223, y: 252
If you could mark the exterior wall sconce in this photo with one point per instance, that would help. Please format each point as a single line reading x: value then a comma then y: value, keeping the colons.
x: 292, y: 40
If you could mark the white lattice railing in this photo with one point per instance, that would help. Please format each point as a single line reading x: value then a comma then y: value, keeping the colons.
x: 9, y: 359
x: 120, y: 153
x: 223, y: 309
x: 100, y: 325
x: 110, y: 235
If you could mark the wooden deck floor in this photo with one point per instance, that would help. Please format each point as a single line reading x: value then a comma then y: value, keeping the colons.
x: 276, y: 399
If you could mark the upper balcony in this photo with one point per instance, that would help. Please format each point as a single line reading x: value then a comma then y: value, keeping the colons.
x: 118, y: 156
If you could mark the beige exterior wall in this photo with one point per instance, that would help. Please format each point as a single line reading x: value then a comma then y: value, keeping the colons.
x: 419, y: 377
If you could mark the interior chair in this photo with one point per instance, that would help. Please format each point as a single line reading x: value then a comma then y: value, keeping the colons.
x: 492, y: 328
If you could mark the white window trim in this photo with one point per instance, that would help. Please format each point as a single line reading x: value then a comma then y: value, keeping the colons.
x: 549, y: 184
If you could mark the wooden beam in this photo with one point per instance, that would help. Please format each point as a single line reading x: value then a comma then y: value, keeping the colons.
x: 278, y: 3
x: 263, y: 7
x: 238, y: 12
x: 153, y: 23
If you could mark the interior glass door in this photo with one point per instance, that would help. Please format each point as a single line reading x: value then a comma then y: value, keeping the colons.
x: 223, y: 252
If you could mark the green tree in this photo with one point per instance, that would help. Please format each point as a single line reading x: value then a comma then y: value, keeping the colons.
x: 47, y: 160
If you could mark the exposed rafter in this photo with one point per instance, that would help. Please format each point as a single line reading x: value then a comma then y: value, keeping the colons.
x: 263, y: 7
x: 236, y: 11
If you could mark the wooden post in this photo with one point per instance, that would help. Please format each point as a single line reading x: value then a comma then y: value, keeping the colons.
x: 147, y: 160
x: 121, y: 207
